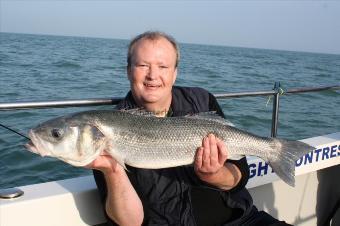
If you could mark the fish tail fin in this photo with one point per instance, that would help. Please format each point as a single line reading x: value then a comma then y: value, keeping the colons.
x: 119, y: 158
x: 283, y: 163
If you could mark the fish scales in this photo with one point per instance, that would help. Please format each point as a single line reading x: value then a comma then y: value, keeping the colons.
x: 157, y: 142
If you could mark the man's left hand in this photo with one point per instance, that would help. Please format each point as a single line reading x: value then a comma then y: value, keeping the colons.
x: 210, y: 158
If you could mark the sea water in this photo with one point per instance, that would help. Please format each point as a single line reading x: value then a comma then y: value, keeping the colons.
x: 41, y: 68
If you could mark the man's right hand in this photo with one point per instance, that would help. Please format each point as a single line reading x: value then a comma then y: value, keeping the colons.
x: 105, y: 163
x: 122, y: 203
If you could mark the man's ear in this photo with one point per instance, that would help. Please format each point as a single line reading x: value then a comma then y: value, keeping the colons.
x: 128, y: 72
x: 175, y: 76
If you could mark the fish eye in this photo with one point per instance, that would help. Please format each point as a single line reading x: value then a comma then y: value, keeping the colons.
x: 57, y: 133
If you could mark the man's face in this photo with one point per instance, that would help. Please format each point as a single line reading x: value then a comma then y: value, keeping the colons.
x: 152, y: 72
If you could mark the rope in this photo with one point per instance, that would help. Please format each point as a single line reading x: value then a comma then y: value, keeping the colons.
x: 280, y: 91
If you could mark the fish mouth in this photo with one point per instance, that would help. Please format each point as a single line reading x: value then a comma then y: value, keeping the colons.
x: 31, y: 147
x: 33, y: 144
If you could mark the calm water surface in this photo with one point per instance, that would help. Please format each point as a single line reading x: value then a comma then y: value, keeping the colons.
x: 38, y: 67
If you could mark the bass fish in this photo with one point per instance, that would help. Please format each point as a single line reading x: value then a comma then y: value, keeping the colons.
x: 140, y: 139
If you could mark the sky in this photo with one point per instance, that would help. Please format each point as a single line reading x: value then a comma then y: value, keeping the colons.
x: 299, y: 25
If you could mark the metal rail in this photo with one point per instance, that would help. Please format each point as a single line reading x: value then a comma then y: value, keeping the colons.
x: 276, y: 92
x: 113, y: 101
x: 275, y: 114
x: 58, y: 104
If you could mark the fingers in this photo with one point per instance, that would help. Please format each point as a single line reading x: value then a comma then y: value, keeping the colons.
x: 104, y: 162
x: 213, y: 150
x: 199, y: 158
x: 210, y: 157
x: 206, y: 152
x: 222, y: 151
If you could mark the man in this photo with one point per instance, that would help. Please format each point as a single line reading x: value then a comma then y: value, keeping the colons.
x: 211, y: 192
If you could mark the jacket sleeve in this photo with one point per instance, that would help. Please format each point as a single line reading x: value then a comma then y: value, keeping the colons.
x: 242, y: 163
x: 101, y: 184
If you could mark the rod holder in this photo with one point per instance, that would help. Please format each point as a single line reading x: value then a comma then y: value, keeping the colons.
x: 11, y: 193
x: 276, y: 106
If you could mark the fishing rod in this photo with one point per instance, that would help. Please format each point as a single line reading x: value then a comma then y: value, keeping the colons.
x: 14, y: 131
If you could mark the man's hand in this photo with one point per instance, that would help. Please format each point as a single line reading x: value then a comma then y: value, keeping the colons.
x: 105, y: 163
x: 210, y: 157
x: 211, y: 167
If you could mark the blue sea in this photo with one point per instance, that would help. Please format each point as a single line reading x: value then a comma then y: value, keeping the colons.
x: 41, y: 67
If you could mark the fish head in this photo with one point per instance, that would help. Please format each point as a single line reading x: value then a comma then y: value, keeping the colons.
x: 69, y: 140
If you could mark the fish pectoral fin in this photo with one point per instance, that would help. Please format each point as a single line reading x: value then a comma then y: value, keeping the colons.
x: 110, y: 150
x: 121, y: 162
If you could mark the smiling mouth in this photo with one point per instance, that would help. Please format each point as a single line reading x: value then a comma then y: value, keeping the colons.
x: 151, y: 86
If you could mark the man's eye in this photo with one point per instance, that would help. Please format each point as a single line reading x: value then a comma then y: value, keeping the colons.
x: 142, y: 65
x: 163, y: 67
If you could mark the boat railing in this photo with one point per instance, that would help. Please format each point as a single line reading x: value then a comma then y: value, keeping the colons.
x: 276, y: 92
x: 77, y: 199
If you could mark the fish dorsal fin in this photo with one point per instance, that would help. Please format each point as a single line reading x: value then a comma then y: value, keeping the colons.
x: 139, y: 111
x: 212, y: 116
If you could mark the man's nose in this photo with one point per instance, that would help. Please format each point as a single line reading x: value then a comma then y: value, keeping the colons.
x: 153, y: 72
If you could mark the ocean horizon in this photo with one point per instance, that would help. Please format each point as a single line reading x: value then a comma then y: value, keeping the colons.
x: 180, y: 43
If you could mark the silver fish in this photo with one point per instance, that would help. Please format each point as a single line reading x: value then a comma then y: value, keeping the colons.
x: 141, y: 140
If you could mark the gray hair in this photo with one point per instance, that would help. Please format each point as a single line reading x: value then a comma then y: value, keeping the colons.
x: 152, y: 36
